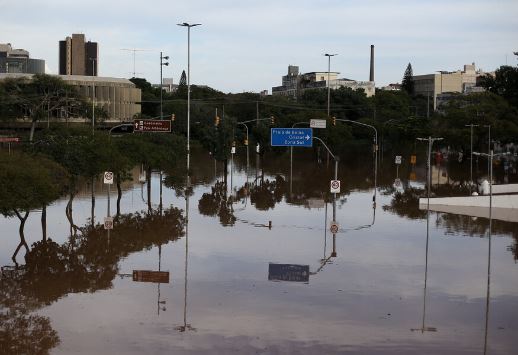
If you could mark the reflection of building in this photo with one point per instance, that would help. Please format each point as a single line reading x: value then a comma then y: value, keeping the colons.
x: 18, y: 61
x: 120, y: 98
x: 77, y: 57
x: 438, y: 83
x: 294, y: 84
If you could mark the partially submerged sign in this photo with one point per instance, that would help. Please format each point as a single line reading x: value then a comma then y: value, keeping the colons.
x: 152, y: 126
x: 314, y: 123
x: 151, y: 276
x: 291, y: 137
x: 398, y: 159
x: 288, y: 272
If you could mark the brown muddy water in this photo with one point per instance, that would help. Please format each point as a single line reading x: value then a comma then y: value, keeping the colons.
x: 254, y: 268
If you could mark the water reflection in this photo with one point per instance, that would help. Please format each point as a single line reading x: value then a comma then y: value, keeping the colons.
x: 85, y: 263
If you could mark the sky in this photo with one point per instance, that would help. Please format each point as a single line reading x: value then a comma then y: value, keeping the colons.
x: 248, y: 45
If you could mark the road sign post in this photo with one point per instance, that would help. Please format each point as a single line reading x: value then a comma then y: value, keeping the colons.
x: 108, y: 180
x: 291, y: 137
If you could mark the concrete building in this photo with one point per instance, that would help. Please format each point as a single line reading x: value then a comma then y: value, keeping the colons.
x: 120, y: 98
x: 442, y: 82
x: 77, y: 57
x: 294, y: 84
x: 168, y: 85
x: 19, y: 61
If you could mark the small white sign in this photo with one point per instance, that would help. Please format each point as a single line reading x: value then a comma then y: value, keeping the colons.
x: 314, y: 123
x: 233, y: 150
x: 397, y: 183
x: 398, y: 159
x: 108, y: 177
x: 257, y: 148
x: 108, y: 222
x: 335, y: 186
x: 334, y: 227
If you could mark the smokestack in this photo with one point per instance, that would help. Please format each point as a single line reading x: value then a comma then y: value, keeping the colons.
x: 371, y: 76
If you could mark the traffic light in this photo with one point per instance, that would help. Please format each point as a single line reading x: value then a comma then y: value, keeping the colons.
x: 216, y: 121
x: 173, y: 117
x: 333, y: 120
x: 272, y: 120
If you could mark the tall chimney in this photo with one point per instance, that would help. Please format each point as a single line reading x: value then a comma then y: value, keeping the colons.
x: 371, y: 76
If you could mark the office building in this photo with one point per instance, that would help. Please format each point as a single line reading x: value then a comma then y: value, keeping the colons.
x: 19, y: 61
x: 77, y: 57
x: 444, y: 82
x: 294, y: 84
x: 120, y: 98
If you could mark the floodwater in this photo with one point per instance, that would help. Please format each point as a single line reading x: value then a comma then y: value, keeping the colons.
x: 254, y: 268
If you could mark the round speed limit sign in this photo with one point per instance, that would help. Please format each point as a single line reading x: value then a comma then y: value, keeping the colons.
x: 108, y: 177
x: 335, y: 186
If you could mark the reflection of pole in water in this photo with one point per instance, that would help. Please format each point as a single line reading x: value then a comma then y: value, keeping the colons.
x: 93, y: 202
x: 160, y: 206
x: 159, y: 302
x: 489, y: 248
x: 185, y: 326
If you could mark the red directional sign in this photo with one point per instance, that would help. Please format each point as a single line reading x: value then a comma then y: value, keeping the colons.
x: 152, y: 125
x: 151, y: 276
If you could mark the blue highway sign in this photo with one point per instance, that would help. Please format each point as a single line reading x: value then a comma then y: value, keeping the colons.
x: 291, y: 137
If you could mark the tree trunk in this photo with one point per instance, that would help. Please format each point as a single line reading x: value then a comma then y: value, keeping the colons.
x: 33, y: 128
x: 44, y: 223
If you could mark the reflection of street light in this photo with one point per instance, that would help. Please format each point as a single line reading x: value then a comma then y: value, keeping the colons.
x: 430, y: 143
x: 185, y: 24
x: 161, y: 81
x: 328, y: 81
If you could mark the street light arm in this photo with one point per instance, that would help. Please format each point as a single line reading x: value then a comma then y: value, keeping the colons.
x: 261, y: 119
x: 321, y: 141
x: 361, y: 124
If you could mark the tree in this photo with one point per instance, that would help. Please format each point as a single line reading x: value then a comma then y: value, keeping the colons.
x: 36, y: 97
x: 183, y: 79
x: 408, y: 81
x: 504, y: 83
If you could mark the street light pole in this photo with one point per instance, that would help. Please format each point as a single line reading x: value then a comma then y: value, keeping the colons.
x: 161, y: 82
x: 488, y: 144
x: 328, y: 81
x: 375, y: 152
x: 471, y: 158
x: 185, y: 24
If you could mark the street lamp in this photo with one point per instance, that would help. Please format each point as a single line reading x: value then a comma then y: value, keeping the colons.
x: 185, y: 24
x: 471, y: 158
x: 161, y: 81
x: 93, y: 95
x: 328, y: 79
x: 375, y: 152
